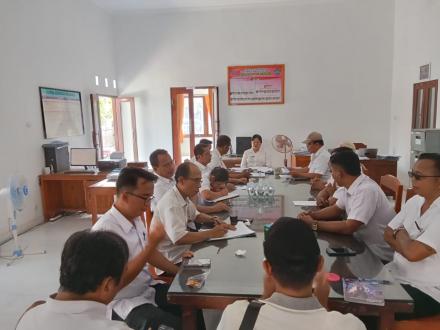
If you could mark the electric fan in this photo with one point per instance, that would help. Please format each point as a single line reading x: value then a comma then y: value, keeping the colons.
x: 283, y: 144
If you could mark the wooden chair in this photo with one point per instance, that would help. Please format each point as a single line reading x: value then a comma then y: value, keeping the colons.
x: 390, y: 183
x: 35, y: 304
x: 409, y: 193
x: 426, y: 323
x: 359, y: 145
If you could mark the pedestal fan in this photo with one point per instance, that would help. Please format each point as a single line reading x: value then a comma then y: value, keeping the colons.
x: 283, y: 144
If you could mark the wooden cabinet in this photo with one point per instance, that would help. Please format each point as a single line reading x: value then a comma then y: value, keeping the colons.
x: 66, y: 192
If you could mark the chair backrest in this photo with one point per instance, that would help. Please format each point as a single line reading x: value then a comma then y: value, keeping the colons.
x: 35, y: 304
x: 409, y: 193
x: 359, y: 145
x: 389, y: 183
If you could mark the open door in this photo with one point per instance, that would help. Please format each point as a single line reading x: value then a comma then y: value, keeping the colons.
x: 114, y: 126
x: 194, y: 113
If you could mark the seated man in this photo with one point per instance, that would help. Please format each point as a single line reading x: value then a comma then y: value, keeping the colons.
x: 367, y: 208
x: 142, y: 303
x: 222, y: 148
x: 291, y: 299
x: 207, y: 143
x: 318, y: 167
x: 163, y: 166
x: 414, y: 236
x: 215, y: 185
x: 178, y: 214
x: 255, y: 156
x: 92, y: 264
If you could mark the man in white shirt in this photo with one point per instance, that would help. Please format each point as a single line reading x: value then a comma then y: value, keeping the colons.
x: 255, y: 156
x: 318, y: 167
x: 177, y: 214
x: 295, y: 286
x: 163, y: 166
x: 414, y: 236
x: 92, y: 266
x: 142, y: 303
x: 367, y: 208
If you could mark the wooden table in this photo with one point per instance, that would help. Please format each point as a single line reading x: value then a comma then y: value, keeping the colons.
x: 101, y: 197
x: 232, y: 278
x: 66, y: 192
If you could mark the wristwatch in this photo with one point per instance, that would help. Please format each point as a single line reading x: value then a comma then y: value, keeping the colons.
x: 315, y: 225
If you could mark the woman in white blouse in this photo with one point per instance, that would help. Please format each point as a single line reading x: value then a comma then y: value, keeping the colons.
x: 255, y: 156
x: 414, y: 234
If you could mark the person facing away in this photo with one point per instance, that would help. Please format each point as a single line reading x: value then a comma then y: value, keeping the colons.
x: 414, y: 235
x: 163, y: 166
x: 295, y: 290
x: 368, y: 209
x: 92, y: 266
x: 318, y: 167
x: 255, y: 156
x: 142, y: 303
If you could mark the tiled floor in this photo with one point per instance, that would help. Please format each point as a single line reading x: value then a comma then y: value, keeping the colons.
x: 36, y: 276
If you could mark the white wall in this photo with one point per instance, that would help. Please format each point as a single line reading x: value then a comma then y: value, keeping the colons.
x: 338, y: 57
x: 416, y: 43
x: 60, y: 44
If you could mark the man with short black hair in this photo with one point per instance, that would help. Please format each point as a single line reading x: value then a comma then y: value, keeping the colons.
x: 142, y: 303
x: 367, y: 208
x: 295, y: 287
x: 202, y: 156
x: 318, y: 167
x: 163, y: 166
x: 91, y: 271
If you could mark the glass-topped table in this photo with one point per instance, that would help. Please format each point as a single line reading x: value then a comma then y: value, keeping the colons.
x: 231, y: 277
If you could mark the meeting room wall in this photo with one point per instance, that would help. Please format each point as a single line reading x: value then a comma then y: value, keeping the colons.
x: 415, y: 44
x: 338, y: 57
x: 60, y: 44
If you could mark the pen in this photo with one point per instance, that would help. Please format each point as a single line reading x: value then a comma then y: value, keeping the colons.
x: 218, y: 251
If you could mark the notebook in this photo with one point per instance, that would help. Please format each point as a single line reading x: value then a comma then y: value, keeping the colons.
x: 228, y: 196
x: 241, y: 230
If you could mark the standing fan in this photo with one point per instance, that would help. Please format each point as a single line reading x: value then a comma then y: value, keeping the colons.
x: 283, y: 144
x: 16, y: 193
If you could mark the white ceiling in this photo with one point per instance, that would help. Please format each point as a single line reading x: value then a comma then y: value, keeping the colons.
x: 133, y: 5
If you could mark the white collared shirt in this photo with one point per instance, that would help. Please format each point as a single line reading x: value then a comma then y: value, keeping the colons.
x: 161, y: 186
x: 138, y: 291
x: 175, y: 214
x: 319, y: 163
x: 216, y: 160
x: 282, y: 312
x: 69, y: 315
x: 423, y: 274
x: 206, y: 171
x: 365, y: 201
x: 255, y: 159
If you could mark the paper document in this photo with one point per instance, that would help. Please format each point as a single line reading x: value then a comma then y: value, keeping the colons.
x: 228, y: 196
x: 304, y: 203
x: 257, y: 175
x: 237, y: 169
x: 263, y: 169
x: 241, y: 230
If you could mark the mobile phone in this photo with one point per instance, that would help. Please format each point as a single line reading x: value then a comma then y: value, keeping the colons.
x: 340, y: 251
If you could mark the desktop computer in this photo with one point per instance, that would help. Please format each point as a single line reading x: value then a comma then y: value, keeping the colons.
x: 56, y: 156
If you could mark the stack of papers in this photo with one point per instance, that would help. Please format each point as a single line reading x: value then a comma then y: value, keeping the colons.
x: 241, y: 230
x: 228, y: 196
x: 304, y: 203
x: 257, y: 175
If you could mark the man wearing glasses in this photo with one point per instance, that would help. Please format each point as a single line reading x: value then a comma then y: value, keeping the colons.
x: 318, y: 167
x: 177, y: 214
x: 141, y: 304
x: 414, y: 235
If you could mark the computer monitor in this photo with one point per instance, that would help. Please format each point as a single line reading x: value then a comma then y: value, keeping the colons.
x: 83, y: 157
x: 243, y: 143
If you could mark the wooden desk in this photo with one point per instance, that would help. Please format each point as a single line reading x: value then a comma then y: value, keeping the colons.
x: 232, y: 162
x: 101, y: 197
x: 66, y: 192
x: 376, y: 167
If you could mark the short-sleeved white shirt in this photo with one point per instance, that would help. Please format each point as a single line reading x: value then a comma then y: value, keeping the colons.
x: 424, y: 274
x: 69, y: 315
x: 319, y: 163
x: 253, y: 159
x: 161, y: 186
x: 216, y: 160
x: 175, y: 214
x: 365, y: 201
x: 138, y: 291
x: 281, y: 312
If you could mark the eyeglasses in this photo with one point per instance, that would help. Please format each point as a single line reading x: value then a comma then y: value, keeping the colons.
x: 146, y: 199
x: 196, y: 180
x: 416, y: 176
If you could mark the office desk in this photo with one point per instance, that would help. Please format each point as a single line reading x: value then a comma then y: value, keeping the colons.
x: 66, y: 192
x: 101, y: 196
x: 233, y: 278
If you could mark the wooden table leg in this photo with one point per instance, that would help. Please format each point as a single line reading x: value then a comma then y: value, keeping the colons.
x: 93, y: 206
x: 386, y: 319
x: 189, y: 318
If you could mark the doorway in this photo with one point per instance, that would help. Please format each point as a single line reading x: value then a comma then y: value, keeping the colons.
x: 194, y: 114
x: 114, y: 126
x: 424, y: 114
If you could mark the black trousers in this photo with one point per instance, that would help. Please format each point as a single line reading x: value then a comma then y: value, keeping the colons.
x: 164, y: 316
x: 424, y: 305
